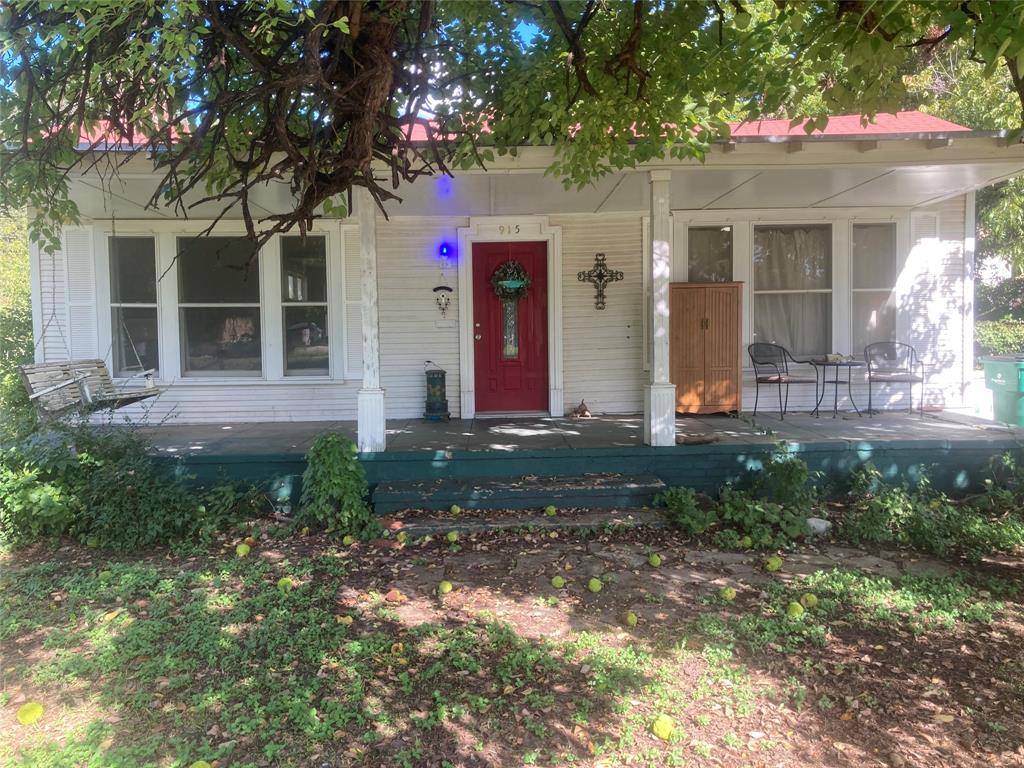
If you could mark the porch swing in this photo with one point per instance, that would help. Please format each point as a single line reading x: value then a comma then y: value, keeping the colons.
x: 83, y: 386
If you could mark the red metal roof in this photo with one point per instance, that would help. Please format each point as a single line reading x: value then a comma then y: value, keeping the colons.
x: 896, y: 123
x: 888, y: 123
x: 852, y: 125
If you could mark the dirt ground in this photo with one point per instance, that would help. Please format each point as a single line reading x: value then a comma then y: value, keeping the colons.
x: 508, y: 670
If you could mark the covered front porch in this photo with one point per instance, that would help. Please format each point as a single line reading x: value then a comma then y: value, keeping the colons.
x: 514, y: 435
x: 843, y: 195
x: 954, y: 450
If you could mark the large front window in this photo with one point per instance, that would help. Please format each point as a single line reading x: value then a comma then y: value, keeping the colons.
x: 133, y: 305
x: 219, y: 302
x: 875, y: 270
x: 793, y: 287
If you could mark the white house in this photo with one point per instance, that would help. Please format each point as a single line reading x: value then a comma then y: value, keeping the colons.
x: 839, y: 238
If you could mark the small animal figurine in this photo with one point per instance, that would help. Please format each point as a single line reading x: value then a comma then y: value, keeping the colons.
x: 581, y: 411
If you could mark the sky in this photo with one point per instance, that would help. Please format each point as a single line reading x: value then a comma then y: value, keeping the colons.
x: 527, y: 31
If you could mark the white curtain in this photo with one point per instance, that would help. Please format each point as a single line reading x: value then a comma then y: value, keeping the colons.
x: 798, y: 260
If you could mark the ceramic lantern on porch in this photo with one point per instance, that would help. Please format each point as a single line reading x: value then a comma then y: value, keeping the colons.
x: 437, y: 396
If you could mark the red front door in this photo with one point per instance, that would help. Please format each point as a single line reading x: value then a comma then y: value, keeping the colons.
x: 511, y: 335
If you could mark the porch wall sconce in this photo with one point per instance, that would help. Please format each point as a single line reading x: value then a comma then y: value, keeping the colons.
x: 442, y: 292
x: 600, y: 276
x: 443, y: 297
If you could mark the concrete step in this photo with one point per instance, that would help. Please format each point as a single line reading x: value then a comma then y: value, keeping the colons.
x: 603, y: 491
x: 418, y: 524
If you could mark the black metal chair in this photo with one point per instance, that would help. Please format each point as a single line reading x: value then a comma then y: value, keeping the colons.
x: 771, y: 366
x: 893, y: 362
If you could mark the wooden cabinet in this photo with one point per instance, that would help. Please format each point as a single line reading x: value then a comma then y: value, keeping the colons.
x: 705, y: 324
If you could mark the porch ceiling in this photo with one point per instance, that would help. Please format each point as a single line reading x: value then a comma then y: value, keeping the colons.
x: 791, y: 175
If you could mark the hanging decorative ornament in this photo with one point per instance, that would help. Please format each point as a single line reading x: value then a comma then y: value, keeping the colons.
x: 443, y: 297
x: 510, y: 280
x: 443, y: 292
x: 600, y: 276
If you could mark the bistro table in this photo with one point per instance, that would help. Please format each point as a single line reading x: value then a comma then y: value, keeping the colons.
x: 838, y: 365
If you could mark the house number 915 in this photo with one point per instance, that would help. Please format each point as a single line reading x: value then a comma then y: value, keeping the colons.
x: 508, y: 229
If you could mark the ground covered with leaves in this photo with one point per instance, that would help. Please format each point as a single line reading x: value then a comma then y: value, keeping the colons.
x: 305, y: 651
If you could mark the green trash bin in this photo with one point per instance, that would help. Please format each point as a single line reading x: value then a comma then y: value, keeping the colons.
x: 1004, y: 375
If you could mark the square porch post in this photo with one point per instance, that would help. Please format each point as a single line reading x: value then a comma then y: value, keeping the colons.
x: 370, y: 400
x: 660, y: 393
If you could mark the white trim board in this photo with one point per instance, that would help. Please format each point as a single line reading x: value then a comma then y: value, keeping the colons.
x: 500, y: 229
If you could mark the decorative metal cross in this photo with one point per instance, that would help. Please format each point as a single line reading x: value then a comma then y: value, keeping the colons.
x: 600, y: 276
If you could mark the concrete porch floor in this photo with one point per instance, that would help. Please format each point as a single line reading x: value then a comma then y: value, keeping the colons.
x: 518, y: 434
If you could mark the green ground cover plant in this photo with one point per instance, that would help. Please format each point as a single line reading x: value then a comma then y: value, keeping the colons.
x: 103, y: 488
x: 772, y: 511
x: 335, y: 494
x: 928, y: 520
x: 151, y: 659
x: 686, y: 512
x: 843, y: 598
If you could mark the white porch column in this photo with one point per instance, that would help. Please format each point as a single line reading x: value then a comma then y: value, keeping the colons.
x: 660, y: 394
x: 370, y: 400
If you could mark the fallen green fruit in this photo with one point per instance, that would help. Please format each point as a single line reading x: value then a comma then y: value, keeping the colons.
x: 746, y: 542
x: 285, y: 584
x: 550, y: 510
x: 444, y: 587
x: 557, y: 582
x: 654, y: 559
x: 727, y: 593
x: 631, y: 619
x: 795, y: 610
x: 809, y: 600
x: 30, y: 713
x: 452, y: 537
x: 242, y: 549
x: 594, y: 585
x: 663, y: 727
x: 200, y: 764
x: 455, y: 509
x: 773, y: 564
x: 348, y: 541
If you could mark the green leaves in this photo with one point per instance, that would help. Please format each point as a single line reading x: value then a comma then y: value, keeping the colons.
x: 685, y: 511
x: 334, y: 488
x: 283, y: 90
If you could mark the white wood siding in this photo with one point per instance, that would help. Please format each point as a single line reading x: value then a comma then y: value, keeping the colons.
x: 602, y: 349
x: 187, y: 402
x: 412, y: 330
